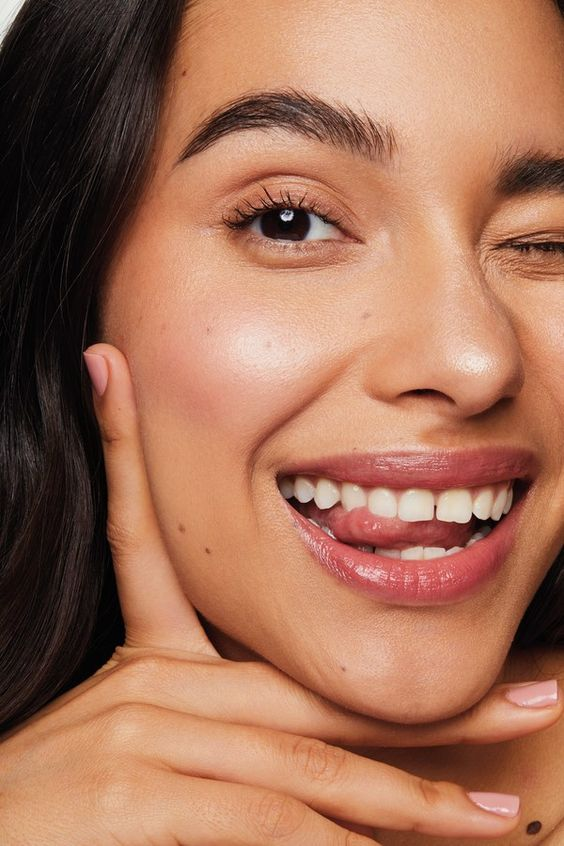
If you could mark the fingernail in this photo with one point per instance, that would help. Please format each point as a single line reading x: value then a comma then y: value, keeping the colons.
x: 534, y: 694
x: 98, y: 370
x: 503, y: 804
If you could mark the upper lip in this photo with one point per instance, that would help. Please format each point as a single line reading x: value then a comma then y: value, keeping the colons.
x: 423, y: 468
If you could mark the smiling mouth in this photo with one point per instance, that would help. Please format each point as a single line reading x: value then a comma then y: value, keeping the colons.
x: 409, y: 523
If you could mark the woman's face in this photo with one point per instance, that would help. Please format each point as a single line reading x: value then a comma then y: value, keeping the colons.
x: 430, y: 318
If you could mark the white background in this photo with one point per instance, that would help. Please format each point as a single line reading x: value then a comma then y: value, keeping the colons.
x: 8, y: 10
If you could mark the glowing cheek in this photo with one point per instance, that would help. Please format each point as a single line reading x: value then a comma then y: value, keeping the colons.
x: 237, y: 371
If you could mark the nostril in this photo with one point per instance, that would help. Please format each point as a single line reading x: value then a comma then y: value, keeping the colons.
x: 428, y: 392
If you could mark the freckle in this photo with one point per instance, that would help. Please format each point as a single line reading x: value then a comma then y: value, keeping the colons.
x: 208, y: 330
x: 208, y: 550
x: 344, y: 669
x: 181, y: 528
x: 184, y: 72
x: 534, y: 827
x: 366, y: 314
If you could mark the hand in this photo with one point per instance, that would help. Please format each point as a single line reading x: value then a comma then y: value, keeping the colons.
x: 171, y: 743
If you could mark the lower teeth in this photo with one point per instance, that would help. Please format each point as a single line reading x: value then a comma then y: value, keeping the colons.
x: 414, y: 553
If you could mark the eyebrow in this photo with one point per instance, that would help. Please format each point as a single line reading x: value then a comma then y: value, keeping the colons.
x: 530, y: 173
x: 301, y: 113
x: 305, y: 114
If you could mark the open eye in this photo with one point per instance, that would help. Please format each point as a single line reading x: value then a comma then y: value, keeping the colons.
x: 287, y: 219
x: 292, y: 224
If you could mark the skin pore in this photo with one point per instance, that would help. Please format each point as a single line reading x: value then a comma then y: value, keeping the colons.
x: 415, y: 323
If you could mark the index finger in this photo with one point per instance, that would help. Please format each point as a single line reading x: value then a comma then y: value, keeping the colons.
x: 155, y: 609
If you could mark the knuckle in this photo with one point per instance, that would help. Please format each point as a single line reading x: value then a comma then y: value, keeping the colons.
x: 276, y: 816
x: 138, y: 674
x: 430, y: 794
x: 114, y: 792
x: 318, y: 761
x: 126, y: 725
x: 110, y: 432
x: 121, y: 537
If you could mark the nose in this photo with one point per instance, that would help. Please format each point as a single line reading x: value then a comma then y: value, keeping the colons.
x: 448, y: 337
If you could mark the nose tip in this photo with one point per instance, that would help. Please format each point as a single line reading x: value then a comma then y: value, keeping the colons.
x: 460, y: 350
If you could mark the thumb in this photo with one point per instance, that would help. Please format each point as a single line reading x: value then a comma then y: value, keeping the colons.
x: 155, y: 609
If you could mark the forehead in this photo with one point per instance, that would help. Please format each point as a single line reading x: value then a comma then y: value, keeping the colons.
x: 437, y: 72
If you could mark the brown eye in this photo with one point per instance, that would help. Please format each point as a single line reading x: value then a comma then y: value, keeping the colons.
x: 291, y: 224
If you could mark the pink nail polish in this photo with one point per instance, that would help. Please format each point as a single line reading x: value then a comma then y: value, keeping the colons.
x: 98, y: 370
x: 534, y: 695
x: 503, y: 804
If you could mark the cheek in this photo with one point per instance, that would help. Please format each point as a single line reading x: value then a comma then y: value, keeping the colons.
x: 208, y: 344
x: 544, y: 347
x: 229, y: 365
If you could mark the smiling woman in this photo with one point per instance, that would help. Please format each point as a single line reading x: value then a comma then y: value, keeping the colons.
x: 281, y: 553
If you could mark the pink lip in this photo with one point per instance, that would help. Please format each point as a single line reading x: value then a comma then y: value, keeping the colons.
x: 424, y: 469
x: 437, y: 581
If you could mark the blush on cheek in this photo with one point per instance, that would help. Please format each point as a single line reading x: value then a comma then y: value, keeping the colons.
x: 239, y: 372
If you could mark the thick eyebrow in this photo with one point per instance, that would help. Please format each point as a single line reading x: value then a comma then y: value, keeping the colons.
x: 299, y: 112
x: 531, y: 173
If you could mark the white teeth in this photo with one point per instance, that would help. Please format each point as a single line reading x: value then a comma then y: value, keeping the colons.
x: 388, y: 553
x: 454, y: 549
x: 416, y: 505
x: 327, y: 493
x: 353, y: 496
x: 413, y: 553
x: 304, y: 489
x: 483, y: 502
x: 499, y: 504
x: 287, y: 488
x: 433, y: 552
x: 454, y: 506
x: 383, y: 503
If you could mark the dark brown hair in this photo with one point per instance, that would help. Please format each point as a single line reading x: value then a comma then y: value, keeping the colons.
x: 81, y: 83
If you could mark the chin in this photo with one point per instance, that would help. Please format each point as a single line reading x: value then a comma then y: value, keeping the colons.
x: 426, y: 692
x: 407, y: 704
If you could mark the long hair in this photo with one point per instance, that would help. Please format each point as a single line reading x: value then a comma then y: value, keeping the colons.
x: 81, y: 83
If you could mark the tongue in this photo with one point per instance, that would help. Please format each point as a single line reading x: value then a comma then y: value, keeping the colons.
x: 360, y: 526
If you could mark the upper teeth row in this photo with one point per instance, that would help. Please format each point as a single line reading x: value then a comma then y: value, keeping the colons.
x: 455, y: 505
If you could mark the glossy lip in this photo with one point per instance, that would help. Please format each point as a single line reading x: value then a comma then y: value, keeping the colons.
x: 423, y: 469
x: 438, y: 581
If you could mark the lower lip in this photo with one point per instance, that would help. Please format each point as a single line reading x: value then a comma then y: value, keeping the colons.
x: 438, y: 581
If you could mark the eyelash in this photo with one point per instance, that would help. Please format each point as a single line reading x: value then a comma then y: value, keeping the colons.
x: 538, y: 246
x: 247, y: 216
